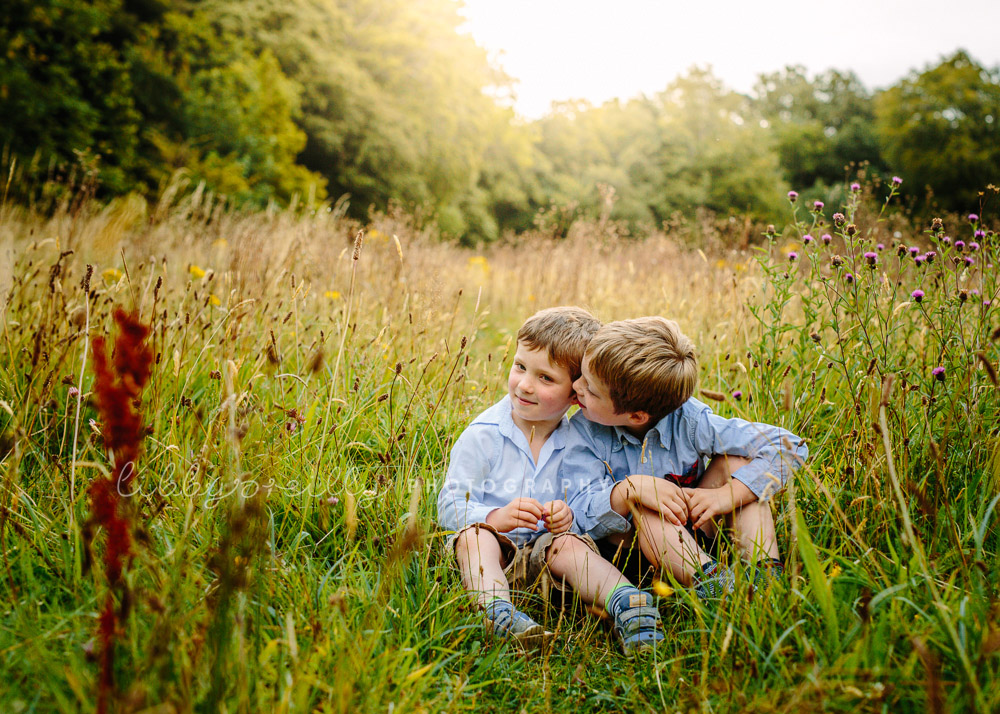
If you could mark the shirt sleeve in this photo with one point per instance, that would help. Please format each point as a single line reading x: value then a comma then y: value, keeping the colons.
x: 587, y: 482
x: 461, y: 501
x: 774, y: 452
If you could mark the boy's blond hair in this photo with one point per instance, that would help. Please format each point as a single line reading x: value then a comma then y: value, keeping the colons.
x: 563, y: 332
x: 647, y: 364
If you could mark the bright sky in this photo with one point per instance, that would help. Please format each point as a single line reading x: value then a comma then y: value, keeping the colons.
x: 598, y: 50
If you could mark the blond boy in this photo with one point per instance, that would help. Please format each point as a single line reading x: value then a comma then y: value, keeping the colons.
x: 511, y: 515
x: 677, y: 467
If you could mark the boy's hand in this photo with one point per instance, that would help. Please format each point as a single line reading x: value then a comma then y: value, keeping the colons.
x: 558, y: 516
x: 707, y: 503
x: 519, y: 513
x: 660, y: 495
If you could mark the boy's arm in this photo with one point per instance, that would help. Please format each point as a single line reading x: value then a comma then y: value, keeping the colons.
x: 461, y: 500
x: 587, y: 483
x: 774, y: 453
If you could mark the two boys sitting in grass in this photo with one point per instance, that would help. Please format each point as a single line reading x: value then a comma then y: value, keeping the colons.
x: 528, y: 491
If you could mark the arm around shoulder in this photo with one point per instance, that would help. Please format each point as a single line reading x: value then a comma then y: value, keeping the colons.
x: 774, y: 452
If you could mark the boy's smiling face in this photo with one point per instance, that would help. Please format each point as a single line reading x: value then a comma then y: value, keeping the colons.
x: 540, y: 391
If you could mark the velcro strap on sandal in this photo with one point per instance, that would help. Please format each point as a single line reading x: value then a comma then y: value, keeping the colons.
x: 636, y: 618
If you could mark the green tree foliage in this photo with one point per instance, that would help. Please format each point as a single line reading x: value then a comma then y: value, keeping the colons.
x: 941, y: 129
x: 395, y: 108
x: 65, y: 87
x: 714, y: 152
x: 389, y: 103
x: 150, y: 88
x: 820, y: 126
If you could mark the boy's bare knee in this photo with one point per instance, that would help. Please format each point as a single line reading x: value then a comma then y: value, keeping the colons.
x: 565, y: 545
x: 473, y: 538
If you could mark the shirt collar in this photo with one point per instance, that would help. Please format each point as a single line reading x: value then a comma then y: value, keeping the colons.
x: 661, y: 432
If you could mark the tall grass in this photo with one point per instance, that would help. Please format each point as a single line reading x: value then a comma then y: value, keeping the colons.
x: 309, y: 377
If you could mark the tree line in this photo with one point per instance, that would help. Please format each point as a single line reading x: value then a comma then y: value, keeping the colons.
x: 388, y: 103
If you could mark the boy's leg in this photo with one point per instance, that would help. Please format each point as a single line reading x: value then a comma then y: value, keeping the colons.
x: 670, y: 547
x: 753, y: 523
x: 480, y: 561
x: 570, y: 560
x: 573, y: 561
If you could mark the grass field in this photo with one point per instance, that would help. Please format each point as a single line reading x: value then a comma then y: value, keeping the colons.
x: 275, y: 549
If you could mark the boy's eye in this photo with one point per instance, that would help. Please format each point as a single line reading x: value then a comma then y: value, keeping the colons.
x: 545, y: 378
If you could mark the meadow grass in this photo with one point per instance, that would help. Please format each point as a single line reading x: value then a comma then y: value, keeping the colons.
x: 309, y: 375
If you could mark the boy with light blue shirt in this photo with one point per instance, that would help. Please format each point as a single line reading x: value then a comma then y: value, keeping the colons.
x: 674, y: 466
x: 512, y: 516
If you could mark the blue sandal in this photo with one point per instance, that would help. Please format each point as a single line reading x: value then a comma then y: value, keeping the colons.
x: 508, y: 622
x: 637, y: 625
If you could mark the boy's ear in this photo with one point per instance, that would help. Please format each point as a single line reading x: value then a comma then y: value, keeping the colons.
x: 638, y: 419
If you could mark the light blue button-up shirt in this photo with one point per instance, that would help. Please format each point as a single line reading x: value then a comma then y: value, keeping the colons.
x: 680, y: 445
x: 491, y: 465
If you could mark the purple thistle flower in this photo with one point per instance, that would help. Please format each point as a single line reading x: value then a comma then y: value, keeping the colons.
x: 807, y: 239
x: 919, y: 260
x: 880, y: 246
x: 818, y: 206
x: 917, y: 295
x: 849, y: 278
x: 792, y: 255
x: 987, y: 303
x: 872, y: 258
x: 973, y: 246
x: 979, y: 234
x: 930, y: 255
x: 73, y: 392
x: 938, y: 373
x: 973, y: 217
x: 826, y: 238
x: 897, y: 181
x: 960, y: 245
x: 975, y: 291
x: 839, y: 218
x: 792, y: 195
x: 970, y: 261
x: 914, y: 250
x: 855, y: 187
x: 737, y: 395
x: 946, y: 240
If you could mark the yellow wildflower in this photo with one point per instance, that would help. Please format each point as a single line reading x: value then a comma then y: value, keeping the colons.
x: 196, y: 271
x: 662, y: 589
x: 214, y: 300
x: 111, y: 275
x: 332, y: 294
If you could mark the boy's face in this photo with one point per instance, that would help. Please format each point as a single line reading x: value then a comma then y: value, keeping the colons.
x: 594, y: 399
x: 539, y: 390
